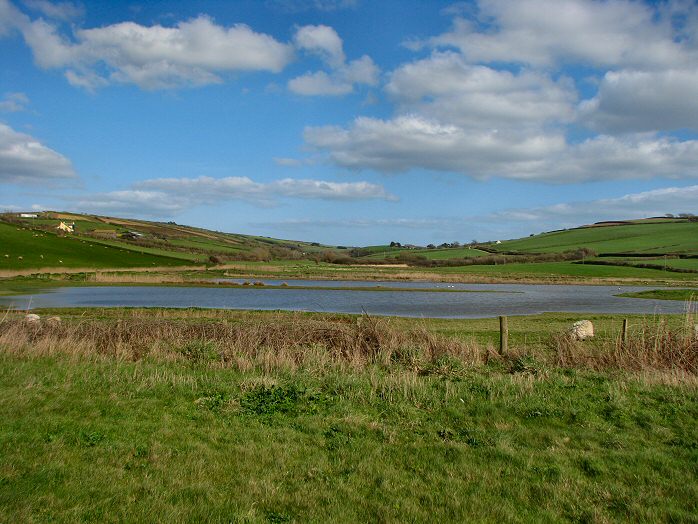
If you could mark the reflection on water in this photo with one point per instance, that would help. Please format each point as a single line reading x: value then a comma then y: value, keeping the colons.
x: 509, y: 299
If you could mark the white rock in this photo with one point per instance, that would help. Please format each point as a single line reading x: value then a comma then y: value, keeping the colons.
x: 582, y: 329
x: 32, y: 318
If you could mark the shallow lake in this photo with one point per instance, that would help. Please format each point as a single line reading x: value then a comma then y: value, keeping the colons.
x: 479, y: 300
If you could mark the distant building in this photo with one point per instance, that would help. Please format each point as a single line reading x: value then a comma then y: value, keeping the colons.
x: 131, y: 235
x: 28, y: 215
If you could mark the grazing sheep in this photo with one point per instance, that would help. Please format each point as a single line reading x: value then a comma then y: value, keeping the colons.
x: 60, y: 261
x: 20, y: 257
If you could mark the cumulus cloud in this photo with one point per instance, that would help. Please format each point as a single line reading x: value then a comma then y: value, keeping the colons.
x: 170, y: 196
x: 57, y: 10
x: 132, y: 203
x: 321, y: 40
x: 208, y: 189
x: 14, y: 102
x: 191, y: 53
x: 635, y: 101
x: 25, y: 160
x: 410, y: 142
x: 444, y: 86
x: 543, y: 33
x: 341, y: 76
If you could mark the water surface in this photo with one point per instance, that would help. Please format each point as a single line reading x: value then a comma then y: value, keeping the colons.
x: 493, y: 300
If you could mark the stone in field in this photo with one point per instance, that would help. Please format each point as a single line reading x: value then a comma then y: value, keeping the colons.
x: 582, y: 330
x: 32, y: 318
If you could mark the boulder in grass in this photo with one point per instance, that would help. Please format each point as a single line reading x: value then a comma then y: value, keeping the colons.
x: 582, y: 330
x: 32, y: 318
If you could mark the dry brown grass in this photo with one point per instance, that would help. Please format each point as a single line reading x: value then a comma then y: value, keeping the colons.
x: 270, y: 343
x: 293, y: 341
x: 135, y: 278
x: 651, y: 345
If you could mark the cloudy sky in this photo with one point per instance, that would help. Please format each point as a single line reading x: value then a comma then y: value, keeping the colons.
x: 352, y: 121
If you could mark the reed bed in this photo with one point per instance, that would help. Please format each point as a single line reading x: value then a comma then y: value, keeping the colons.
x: 270, y: 343
x: 652, y: 344
x: 294, y: 341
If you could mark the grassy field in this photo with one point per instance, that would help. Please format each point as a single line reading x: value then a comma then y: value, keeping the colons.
x: 665, y: 294
x: 651, y: 237
x: 431, y: 254
x: 190, y: 416
x: 25, y: 248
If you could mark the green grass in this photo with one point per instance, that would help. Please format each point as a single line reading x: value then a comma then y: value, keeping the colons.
x: 665, y: 294
x: 115, y: 441
x: 67, y: 251
x: 431, y: 254
x: 567, y: 269
x: 666, y: 237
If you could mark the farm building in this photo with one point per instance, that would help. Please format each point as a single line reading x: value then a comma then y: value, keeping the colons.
x: 65, y: 227
x: 28, y: 215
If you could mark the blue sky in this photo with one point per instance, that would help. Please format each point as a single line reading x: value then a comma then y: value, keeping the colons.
x: 348, y: 121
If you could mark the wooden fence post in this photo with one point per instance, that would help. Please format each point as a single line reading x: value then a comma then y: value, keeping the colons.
x: 625, y: 332
x: 503, y: 336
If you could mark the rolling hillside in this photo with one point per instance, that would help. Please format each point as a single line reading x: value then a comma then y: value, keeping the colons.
x: 104, y: 242
x: 652, y: 236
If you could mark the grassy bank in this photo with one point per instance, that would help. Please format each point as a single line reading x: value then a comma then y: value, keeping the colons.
x: 189, y: 415
x: 665, y: 294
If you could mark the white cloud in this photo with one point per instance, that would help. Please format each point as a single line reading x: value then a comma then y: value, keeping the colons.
x: 656, y: 202
x: 342, y: 76
x: 319, y: 83
x: 14, y: 102
x: 630, y: 101
x: 132, y: 203
x: 447, y: 88
x: 169, y: 196
x: 25, y: 160
x: 412, y: 142
x: 321, y: 40
x: 193, y: 52
x: 208, y: 189
x: 543, y: 33
x: 57, y: 10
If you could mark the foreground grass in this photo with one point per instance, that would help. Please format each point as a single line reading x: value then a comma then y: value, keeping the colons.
x: 115, y: 441
x: 133, y: 415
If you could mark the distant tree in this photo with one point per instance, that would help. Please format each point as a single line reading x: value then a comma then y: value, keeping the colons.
x: 669, y: 215
x: 455, y: 244
x: 431, y: 246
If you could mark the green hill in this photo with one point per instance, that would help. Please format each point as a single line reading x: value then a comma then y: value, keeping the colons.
x: 655, y: 236
x: 23, y: 248
x: 108, y: 242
